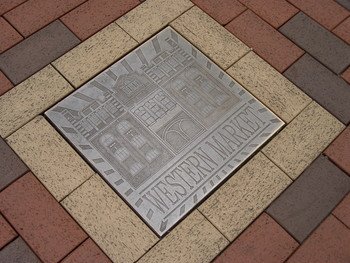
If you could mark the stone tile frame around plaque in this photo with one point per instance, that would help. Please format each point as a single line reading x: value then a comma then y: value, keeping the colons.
x: 164, y: 126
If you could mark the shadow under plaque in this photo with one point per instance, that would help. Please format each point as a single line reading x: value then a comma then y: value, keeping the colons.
x: 164, y: 126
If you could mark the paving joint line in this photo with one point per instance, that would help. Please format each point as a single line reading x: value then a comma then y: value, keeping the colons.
x: 227, y: 239
x: 19, y: 236
x: 77, y: 246
x: 256, y: 96
x: 330, y: 159
x: 14, y: 8
x: 13, y: 26
x: 331, y: 30
x: 313, y: 231
x: 340, y: 221
x: 76, y: 188
x: 306, y: 52
x: 217, y: 189
x: 32, y: 74
x: 289, y: 18
x: 51, y: 21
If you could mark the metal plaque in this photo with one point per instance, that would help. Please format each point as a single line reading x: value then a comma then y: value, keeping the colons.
x: 164, y: 126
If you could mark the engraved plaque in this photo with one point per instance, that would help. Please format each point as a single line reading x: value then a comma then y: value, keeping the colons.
x: 164, y: 126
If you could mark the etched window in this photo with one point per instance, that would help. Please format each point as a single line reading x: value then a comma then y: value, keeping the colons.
x: 159, y: 73
x: 68, y: 116
x: 103, y: 114
x: 112, y: 107
x: 123, y: 127
x: 164, y: 55
x: 152, y: 155
x: 207, y: 109
x: 86, y: 111
x: 190, y: 95
x: 218, y: 96
x: 121, y: 154
x: 94, y: 119
x: 173, y: 62
x: 166, y: 68
x: 135, y: 168
x: 86, y: 125
x: 180, y: 57
x: 130, y: 86
x: 138, y: 141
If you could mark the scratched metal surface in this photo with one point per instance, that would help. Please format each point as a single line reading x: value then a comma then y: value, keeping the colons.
x: 164, y: 126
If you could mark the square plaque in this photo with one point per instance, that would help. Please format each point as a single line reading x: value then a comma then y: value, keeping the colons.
x: 164, y: 126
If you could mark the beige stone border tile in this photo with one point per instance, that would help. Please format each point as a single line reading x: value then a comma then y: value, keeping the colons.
x: 269, y: 86
x: 295, y: 147
x: 94, y: 54
x: 117, y: 230
x: 150, y: 16
x: 210, y: 37
x: 244, y: 196
x: 193, y: 240
x: 30, y: 98
x: 50, y: 157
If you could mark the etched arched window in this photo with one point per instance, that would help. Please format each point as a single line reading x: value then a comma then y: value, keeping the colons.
x: 107, y: 139
x: 179, y: 133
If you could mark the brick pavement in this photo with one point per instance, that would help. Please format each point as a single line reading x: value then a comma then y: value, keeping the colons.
x: 289, y: 203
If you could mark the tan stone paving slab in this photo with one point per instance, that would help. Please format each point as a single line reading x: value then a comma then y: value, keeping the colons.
x: 210, y: 37
x: 94, y: 54
x: 117, y: 230
x: 149, y: 17
x: 295, y: 147
x: 194, y: 240
x: 50, y: 157
x: 244, y: 196
x: 269, y: 86
x: 30, y: 98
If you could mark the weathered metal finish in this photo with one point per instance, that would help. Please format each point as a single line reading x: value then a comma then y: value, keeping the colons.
x: 164, y: 126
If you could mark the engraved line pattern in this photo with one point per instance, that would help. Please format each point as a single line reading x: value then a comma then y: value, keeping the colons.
x: 146, y: 110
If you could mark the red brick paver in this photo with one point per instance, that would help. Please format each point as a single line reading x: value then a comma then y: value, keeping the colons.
x: 326, y: 12
x: 93, y: 15
x: 9, y: 36
x: 275, y: 12
x: 339, y: 150
x: 346, y: 75
x: 344, y: 3
x: 6, y: 5
x: 6, y: 232
x: 342, y: 211
x: 87, y: 252
x: 328, y: 244
x: 5, y: 84
x: 35, y: 14
x: 265, y: 40
x: 343, y: 30
x: 263, y: 241
x: 39, y: 219
x: 222, y: 11
x: 304, y: 39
